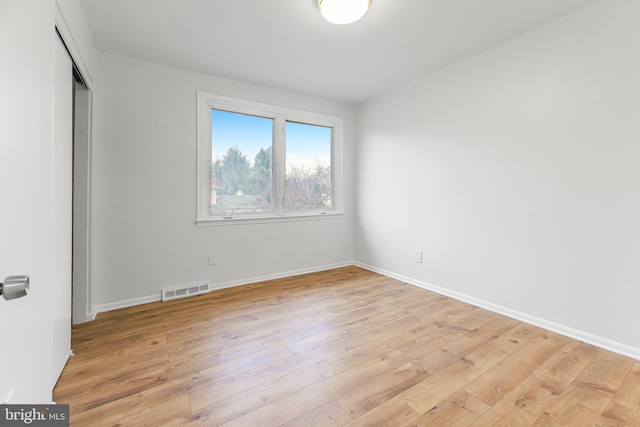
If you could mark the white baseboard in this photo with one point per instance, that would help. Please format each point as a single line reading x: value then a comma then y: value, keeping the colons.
x: 234, y: 283
x: 88, y: 317
x: 126, y: 303
x: 586, y: 337
x: 217, y: 286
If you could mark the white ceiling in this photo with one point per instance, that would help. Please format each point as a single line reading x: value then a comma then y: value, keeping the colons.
x: 285, y: 44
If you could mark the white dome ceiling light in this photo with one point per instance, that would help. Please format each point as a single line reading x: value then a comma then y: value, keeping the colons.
x: 343, y: 11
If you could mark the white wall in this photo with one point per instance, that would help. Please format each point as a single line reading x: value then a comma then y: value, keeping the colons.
x: 517, y: 173
x: 145, y: 191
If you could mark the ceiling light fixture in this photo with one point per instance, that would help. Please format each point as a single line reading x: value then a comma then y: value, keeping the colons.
x: 343, y: 11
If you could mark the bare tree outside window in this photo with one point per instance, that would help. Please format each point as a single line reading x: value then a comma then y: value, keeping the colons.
x: 308, y: 160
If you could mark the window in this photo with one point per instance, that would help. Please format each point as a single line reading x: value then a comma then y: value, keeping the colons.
x: 262, y: 162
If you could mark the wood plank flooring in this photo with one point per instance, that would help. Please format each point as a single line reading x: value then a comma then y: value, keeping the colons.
x: 345, y: 347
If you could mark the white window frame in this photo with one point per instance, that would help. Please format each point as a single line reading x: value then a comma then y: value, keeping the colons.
x: 281, y: 115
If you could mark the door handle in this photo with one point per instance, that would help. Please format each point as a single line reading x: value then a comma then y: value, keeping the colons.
x: 14, y: 287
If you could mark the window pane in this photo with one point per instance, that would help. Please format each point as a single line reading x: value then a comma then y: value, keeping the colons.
x: 308, y: 183
x: 241, y: 158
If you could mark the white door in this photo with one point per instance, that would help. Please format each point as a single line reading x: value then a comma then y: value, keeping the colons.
x: 33, y: 205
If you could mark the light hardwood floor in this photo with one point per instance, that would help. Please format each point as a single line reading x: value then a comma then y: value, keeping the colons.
x: 341, y: 347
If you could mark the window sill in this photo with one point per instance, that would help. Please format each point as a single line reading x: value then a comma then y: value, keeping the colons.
x: 247, y: 220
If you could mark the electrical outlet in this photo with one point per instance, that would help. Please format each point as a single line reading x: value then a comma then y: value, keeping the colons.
x: 211, y: 259
x: 418, y: 256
